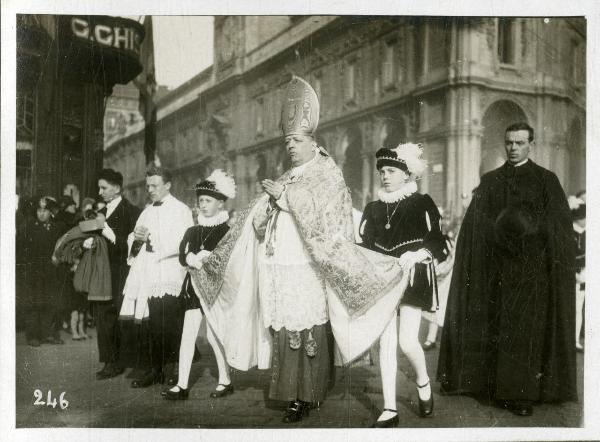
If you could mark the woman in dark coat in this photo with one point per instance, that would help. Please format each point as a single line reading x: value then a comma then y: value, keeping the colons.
x: 405, y: 224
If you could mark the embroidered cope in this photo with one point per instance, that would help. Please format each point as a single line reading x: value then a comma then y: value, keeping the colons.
x: 310, y: 234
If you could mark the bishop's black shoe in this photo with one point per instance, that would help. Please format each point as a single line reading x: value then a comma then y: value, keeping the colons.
x: 296, y: 411
x: 387, y: 423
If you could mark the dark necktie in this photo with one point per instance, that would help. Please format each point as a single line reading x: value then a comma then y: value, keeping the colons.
x: 157, y: 203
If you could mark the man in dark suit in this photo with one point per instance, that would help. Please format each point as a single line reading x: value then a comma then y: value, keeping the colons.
x: 121, y: 217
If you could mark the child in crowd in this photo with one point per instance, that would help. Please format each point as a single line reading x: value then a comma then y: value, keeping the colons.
x: 42, y: 280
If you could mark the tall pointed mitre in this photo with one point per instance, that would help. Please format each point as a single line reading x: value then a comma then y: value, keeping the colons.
x: 300, y: 112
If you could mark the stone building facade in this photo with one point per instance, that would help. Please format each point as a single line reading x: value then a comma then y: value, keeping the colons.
x: 453, y: 84
x: 66, y: 67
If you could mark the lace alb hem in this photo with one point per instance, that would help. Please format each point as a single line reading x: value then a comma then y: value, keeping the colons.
x: 292, y: 296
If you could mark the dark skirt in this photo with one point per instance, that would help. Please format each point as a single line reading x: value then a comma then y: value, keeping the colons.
x: 295, y: 375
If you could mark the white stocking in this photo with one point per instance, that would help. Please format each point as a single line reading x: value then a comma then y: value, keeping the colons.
x: 410, y: 321
x: 191, y: 326
x: 388, y: 363
x: 222, y: 364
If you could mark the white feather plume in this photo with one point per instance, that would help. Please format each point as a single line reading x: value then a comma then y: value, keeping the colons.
x: 411, y: 154
x: 224, y: 183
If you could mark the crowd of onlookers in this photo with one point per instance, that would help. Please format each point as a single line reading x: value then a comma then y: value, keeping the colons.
x: 46, y: 300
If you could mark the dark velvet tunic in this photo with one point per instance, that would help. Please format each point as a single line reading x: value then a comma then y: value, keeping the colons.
x: 194, y: 240
x: 509, y: 323
x: 415, y: 224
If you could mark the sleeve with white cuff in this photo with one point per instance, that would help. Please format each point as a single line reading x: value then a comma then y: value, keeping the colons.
x: 109, y: 234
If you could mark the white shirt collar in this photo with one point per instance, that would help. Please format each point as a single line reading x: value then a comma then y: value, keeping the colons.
x: 220, y: 218
x: 112, y: 205
x: 399, y: 194
x: 578, y: 228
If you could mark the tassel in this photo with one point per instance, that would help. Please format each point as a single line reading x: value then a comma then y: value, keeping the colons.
x: 311, y: 345
x: 295, y: 340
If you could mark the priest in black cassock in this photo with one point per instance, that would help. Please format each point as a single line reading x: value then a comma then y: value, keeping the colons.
x: 510, y: 319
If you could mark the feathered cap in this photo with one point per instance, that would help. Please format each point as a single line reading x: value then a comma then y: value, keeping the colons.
x: 406, y: 157
x: 219, y: 185
x: 300, y: 111
x: 577, y: 207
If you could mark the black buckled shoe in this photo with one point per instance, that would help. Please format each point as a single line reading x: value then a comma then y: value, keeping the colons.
x: 425, y: 407
x: 296, y: 411
x: 150, y: 378
x: 520, y: 408
x: 387, y: 423
x: 224, y: 392
x: 179, y: 395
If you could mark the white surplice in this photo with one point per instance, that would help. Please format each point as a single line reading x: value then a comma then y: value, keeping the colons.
x: 158, y: 272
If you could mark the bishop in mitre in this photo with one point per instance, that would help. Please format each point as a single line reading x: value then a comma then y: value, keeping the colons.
x: 288, y: 271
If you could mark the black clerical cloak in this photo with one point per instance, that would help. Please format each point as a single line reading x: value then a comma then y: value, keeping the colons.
x: 509, y: 327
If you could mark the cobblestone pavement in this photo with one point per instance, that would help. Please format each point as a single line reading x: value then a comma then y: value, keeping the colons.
x: 354, y: 401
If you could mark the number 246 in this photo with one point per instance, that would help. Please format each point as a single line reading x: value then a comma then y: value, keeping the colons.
x: 37, y: 394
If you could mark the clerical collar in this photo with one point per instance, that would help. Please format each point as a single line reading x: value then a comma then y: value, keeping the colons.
x: 578, y: 228
x: 220, y: 218
x: 520, y: 164
x: 399, y: 194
